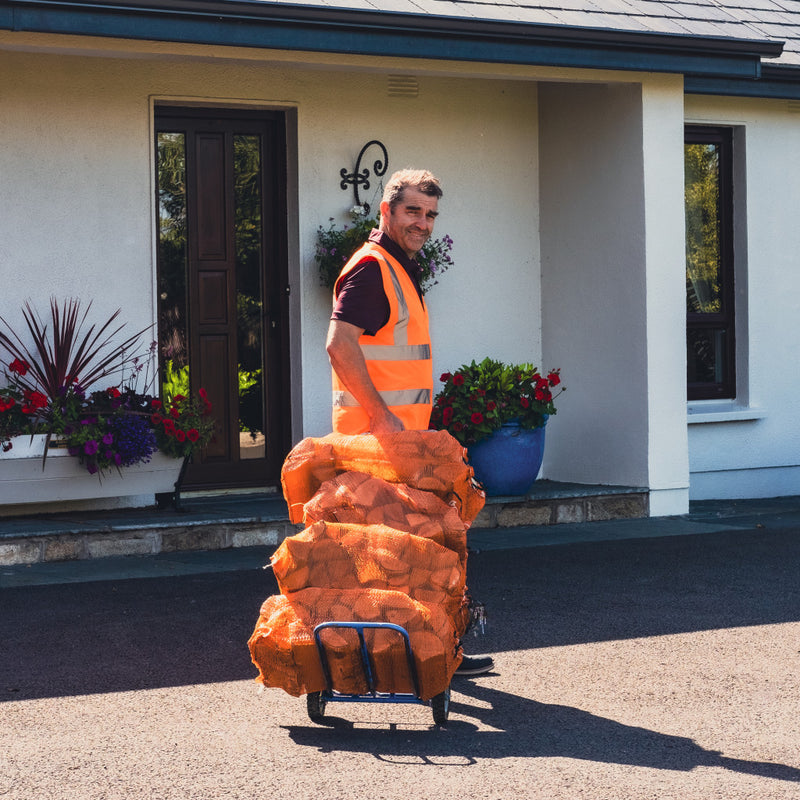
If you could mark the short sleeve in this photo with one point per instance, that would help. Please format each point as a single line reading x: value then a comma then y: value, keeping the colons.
x: 361, y: 300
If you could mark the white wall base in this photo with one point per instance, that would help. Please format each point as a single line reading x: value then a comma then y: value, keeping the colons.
x: 668, y: 502
x: 745, y: 483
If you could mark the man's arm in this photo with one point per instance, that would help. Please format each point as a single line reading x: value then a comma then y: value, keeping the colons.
x: 348, y: 362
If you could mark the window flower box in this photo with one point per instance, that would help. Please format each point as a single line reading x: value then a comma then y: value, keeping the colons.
x: 24, y: 478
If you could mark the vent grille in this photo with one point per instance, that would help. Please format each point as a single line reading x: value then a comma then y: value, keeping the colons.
x: 403, y: 86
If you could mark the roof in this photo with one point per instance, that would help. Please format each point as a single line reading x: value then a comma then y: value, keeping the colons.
x: 774, y: 20
x: 721, y: 46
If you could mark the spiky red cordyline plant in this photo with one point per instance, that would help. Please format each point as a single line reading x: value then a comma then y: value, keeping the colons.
x: 67, y: 355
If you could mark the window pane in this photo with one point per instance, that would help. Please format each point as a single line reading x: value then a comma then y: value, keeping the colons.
x: 705, y: 355
x: 172, y: 261
x: 703, y: 264
x: 247, y: 189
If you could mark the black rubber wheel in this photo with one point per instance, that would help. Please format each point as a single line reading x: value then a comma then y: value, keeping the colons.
x: 441, y: 707
x: 316, y: 703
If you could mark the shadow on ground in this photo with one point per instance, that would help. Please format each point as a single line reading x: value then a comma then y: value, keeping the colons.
x: 132, y: 634
x: 525, y: 728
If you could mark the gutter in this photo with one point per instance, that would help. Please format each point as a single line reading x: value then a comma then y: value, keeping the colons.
x: 286, y: 26
x: 776, y: 82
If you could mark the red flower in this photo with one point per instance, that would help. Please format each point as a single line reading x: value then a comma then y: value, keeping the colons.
x: 476, y: 418
x: 491, y: 405
x: 169, y: 427
x: 207, y: 407
x: 180, y: 435
x: 457, y: 426
x: 177, y: 399
x: 156, y: 404
x: 156, y: 419
x: 458, y: 379
x: 524, y: 402
x: 203, y: 394
x: 19, y: 366
x: 554, y: 378
x: 175, y: 412
x: 113, y: 392
x: 540, y: 395
x: 34, y: 400
x: 445, y: 376
x: 7, y: 403
x: 447, y: 416
x: 193, y: 434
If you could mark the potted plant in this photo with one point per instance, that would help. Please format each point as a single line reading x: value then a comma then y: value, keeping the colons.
x: 134, y: 442
x: 498, y: 412
x: 335, y: 246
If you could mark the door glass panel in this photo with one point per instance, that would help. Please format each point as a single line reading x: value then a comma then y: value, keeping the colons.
x: 703, y: 265
x: 249, y: 294
x: 172, y: 263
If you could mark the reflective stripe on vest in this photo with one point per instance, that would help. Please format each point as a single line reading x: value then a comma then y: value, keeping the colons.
x: 407, y: 391
x: 398, y: 397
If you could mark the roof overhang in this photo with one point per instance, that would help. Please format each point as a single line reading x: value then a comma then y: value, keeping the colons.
x: 283, y: 26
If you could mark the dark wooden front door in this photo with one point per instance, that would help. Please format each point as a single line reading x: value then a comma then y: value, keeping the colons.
x: 223, y: 284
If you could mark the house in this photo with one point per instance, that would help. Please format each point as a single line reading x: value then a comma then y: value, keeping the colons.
x: 560, y: 132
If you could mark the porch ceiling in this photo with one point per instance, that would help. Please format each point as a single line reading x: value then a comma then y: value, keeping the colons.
x: 377, y: 32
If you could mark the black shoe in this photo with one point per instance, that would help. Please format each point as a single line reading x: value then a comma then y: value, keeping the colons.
x: 475, y: 665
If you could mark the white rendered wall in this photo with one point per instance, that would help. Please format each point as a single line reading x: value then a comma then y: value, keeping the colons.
x: 665, y: 258
x: 750, y: 447
x: 80, y: 219
x: 77, y: 148
x: 609, y: 260
x: 592, y: 235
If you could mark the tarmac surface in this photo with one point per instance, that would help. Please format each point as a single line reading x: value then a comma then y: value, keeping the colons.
x: 634, y: 659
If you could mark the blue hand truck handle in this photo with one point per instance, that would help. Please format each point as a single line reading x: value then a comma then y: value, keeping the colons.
x: 359, y: 628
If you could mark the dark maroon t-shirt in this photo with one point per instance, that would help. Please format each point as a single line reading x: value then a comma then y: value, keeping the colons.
x: 362, y: 301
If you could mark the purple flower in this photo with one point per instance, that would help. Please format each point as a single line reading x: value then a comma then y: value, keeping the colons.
x: 108, y: 438
x: 90, y: 448
x: 92, y: 467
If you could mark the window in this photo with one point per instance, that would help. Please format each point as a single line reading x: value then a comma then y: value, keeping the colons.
x: 710, y: 318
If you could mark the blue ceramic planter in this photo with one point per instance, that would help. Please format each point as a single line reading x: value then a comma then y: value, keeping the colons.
x: 508, y: 462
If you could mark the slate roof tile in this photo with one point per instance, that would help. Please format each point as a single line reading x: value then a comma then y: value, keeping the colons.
x: 742, y: 19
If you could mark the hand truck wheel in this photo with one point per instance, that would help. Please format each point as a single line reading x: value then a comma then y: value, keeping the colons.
x: 316, y: 703
x: 441, y: 707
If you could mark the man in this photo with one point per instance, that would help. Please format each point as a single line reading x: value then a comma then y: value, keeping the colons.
x: 378, y: 340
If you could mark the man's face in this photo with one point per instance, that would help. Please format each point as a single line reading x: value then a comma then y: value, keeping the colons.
x: 411, y: 223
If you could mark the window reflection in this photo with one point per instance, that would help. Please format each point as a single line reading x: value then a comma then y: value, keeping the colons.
x: 249, y: 294
x: 172, y: 262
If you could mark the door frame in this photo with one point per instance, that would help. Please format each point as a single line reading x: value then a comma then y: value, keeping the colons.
x: 291, y: 368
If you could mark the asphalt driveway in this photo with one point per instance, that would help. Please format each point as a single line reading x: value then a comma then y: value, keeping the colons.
x: 647, y: 668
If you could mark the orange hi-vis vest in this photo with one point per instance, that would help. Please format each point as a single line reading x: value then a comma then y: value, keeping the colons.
x: 398, y: 356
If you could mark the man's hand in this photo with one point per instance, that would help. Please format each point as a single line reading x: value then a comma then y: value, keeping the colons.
x: 348, y: 362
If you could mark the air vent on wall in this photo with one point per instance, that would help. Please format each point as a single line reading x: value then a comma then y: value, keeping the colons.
x: 403, y: 86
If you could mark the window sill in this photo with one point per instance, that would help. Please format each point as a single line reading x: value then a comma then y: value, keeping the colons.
x: 712, y: 411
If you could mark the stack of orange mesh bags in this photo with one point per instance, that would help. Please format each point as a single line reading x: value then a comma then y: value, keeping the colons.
x: 385, y: 541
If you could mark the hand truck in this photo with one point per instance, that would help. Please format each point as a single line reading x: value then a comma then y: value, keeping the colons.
x: 317, y: 701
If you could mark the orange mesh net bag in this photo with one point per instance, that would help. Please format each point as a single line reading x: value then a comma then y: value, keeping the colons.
x: 357, y: 498
x: 431, y: 461
x: 282, y: 645
x: 388, y: 518
x: 340, y: 556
